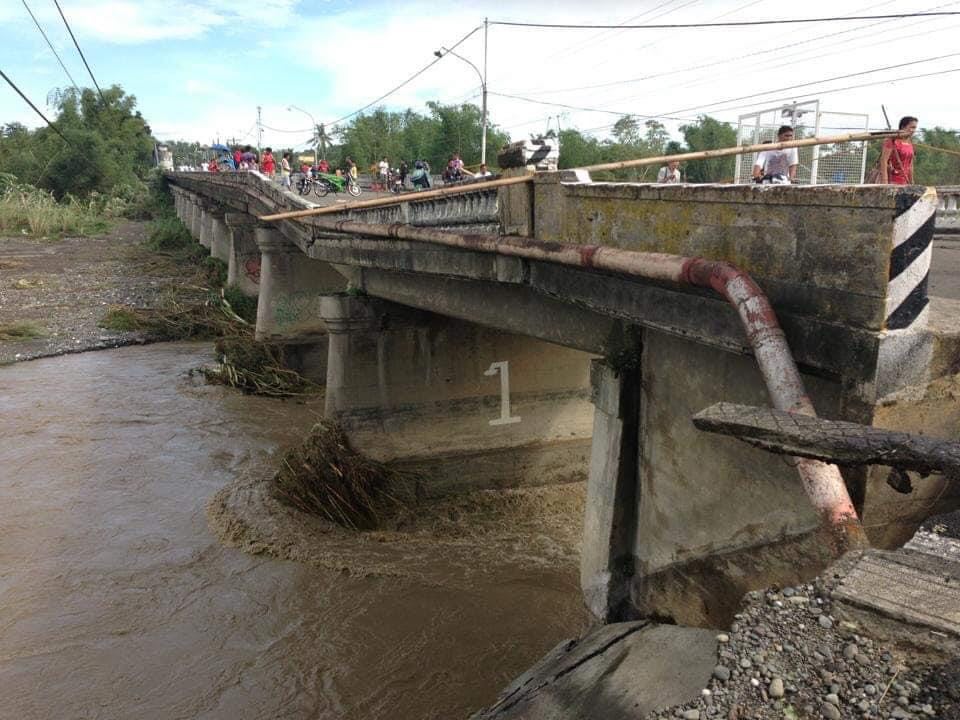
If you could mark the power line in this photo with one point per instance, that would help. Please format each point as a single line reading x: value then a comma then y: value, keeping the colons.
x: 815, y: 82
x: 82, y: 57
x: 741, y: 23
x: 50, y: 45
x: 598, y: 110
x: 35, y: 108
x: 405, y: 82
x: 720, y: 61
x: 848, y: 87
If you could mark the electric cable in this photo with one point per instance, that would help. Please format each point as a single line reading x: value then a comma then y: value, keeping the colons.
x: 739, y: 23
x: 815, y: 82
x: 50, y: 45
x: 405, y: 82
x: 82, y: 57
x: 35, y: 108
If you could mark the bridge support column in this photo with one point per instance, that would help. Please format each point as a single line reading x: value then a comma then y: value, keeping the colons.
x: 291, y: 286
x: 468, y: 407
x: 243, y: 255
x: 610, y: 520
x: 206, y: 224
x: 196, y: 216
x: 219, y: 236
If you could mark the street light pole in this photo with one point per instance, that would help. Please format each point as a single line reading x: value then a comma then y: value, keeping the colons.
x: 483, y: 87
x: 316, y: 131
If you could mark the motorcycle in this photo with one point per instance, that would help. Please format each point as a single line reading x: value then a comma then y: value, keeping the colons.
x: 324, y: 183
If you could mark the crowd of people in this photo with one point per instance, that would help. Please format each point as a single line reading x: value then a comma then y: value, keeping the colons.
x: 777, y: 166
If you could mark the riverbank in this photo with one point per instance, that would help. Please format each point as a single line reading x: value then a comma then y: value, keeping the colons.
x: 55, y: 292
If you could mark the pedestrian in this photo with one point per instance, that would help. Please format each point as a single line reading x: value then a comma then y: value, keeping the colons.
x: 285, y: 170
x: 268, y: 166
x: 212, y: 166
x: 247, y: 159
x: 420, y: 178
x: 324, y: 166
x: 777, y: 167
x: 669, y: 173
x: 483, y: 172
x: 404, y: 171
x: 236, y: 158
x: 383, y: 170
x: 896, y: 158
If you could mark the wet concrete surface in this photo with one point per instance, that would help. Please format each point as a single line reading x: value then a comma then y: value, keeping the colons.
x: 118, y: 602
x: 945, y: 268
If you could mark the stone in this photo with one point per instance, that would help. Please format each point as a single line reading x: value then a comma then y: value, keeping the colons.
x: 928, y: 710
x: 900, y: 714
x: 799, y: 600
x: 862, y: 659
x: 831, y: 712
x: 870, y: 689
x: 863, y: 706
x: 746, y: 663
x: 850, y: 650
x: 833, y: 699
x: 691, y: 715
x: 721, y: 673
x: 723, y: 638
x: 825, y: 622
x: 776, y: 688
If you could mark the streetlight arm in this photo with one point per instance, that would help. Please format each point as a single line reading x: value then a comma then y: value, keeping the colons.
x: 461, y: 57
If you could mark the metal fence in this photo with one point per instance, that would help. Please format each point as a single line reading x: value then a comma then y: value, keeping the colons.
x: 843, y: 163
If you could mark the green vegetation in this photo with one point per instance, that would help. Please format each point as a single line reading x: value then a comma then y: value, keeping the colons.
x: 77, y: 184
x: 16, y: 331
x: 243, y: 305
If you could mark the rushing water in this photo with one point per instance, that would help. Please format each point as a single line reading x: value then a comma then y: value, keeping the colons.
x: 117, y: 601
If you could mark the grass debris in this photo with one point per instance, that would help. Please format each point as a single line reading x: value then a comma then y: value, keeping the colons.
x: 257, y: 368
x: 324, y: 476
x: 16, y: 331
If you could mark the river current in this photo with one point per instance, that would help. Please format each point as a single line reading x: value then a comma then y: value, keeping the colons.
x: 118, y: 599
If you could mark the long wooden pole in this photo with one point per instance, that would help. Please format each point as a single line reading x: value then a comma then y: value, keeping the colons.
x: 475, y: 187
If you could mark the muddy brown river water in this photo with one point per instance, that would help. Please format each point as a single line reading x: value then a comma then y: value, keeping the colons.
x: 117, y: 601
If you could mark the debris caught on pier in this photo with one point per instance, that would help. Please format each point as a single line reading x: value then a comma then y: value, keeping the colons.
x: 324, y: 476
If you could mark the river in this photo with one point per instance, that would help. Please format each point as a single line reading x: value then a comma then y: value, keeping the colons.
x: 118, y: 601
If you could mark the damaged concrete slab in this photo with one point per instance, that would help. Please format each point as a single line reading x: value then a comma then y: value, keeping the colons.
x: 622, y: 670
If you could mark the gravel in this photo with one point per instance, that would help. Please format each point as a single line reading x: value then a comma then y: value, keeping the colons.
x: 775, y: 663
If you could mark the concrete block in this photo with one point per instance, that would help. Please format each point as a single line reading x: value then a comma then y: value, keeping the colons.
x: 616, y: 672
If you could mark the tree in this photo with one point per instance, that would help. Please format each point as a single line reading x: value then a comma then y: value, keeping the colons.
x: 709, y: 134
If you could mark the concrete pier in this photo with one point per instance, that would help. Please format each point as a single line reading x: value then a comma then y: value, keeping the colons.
x: 498, y: 415
x: 243, y: 259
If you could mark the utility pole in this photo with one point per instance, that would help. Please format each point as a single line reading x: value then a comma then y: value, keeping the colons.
x: 259, y: 131
x: 483, y: 138
x: 322, y: 139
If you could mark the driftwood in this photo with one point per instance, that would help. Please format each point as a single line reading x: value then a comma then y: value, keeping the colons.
x: 842, y: 443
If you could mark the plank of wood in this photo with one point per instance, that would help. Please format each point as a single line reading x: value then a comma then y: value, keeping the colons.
x: 835, y: 441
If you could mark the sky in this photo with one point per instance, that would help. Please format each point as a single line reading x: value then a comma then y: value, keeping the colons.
x: 200, y: 68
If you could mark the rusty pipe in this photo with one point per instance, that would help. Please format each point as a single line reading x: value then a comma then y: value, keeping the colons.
x: 821, y: 481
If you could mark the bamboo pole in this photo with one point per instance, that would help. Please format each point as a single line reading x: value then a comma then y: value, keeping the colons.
x: 475, y: 187
x: 743, y: 149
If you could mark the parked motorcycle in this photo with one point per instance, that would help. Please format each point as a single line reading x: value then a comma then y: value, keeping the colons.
x: 324, y: 183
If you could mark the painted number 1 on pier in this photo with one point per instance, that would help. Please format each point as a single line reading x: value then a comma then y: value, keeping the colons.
x: 503, y: 368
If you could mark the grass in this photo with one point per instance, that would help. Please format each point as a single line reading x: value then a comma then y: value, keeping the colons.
x: 25, y: 210
x: 16, y: 331
x: 324, y: 476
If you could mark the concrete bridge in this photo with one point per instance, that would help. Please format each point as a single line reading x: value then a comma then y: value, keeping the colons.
x: 497, y: 364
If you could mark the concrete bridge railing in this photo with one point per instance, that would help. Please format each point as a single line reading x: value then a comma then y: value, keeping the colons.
x: 948, y: 210
x: 502, y: 369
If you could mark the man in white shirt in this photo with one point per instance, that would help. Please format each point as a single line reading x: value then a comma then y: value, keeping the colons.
x: 669, y: 173
x: 483, y: 172
x: 777, y: 167
x: 384, y: 168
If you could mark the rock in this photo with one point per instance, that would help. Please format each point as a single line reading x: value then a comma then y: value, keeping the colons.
x: 831, y: 712
x: 863, y: 706
x: 825, y: 622
x: 691, y: 715
x: 870, y: 689
x: 850, y: 651
x: 903, y: 701
x: 862, y: 659
x: 721, y: 673
x: 723, y: 638
x: 776, y: 688
x: 928, y: 710
x: 754, y: 682
x: 833, y: 699
x: 746, y: 663
x: 799, y: 600
x: 900, y: 714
